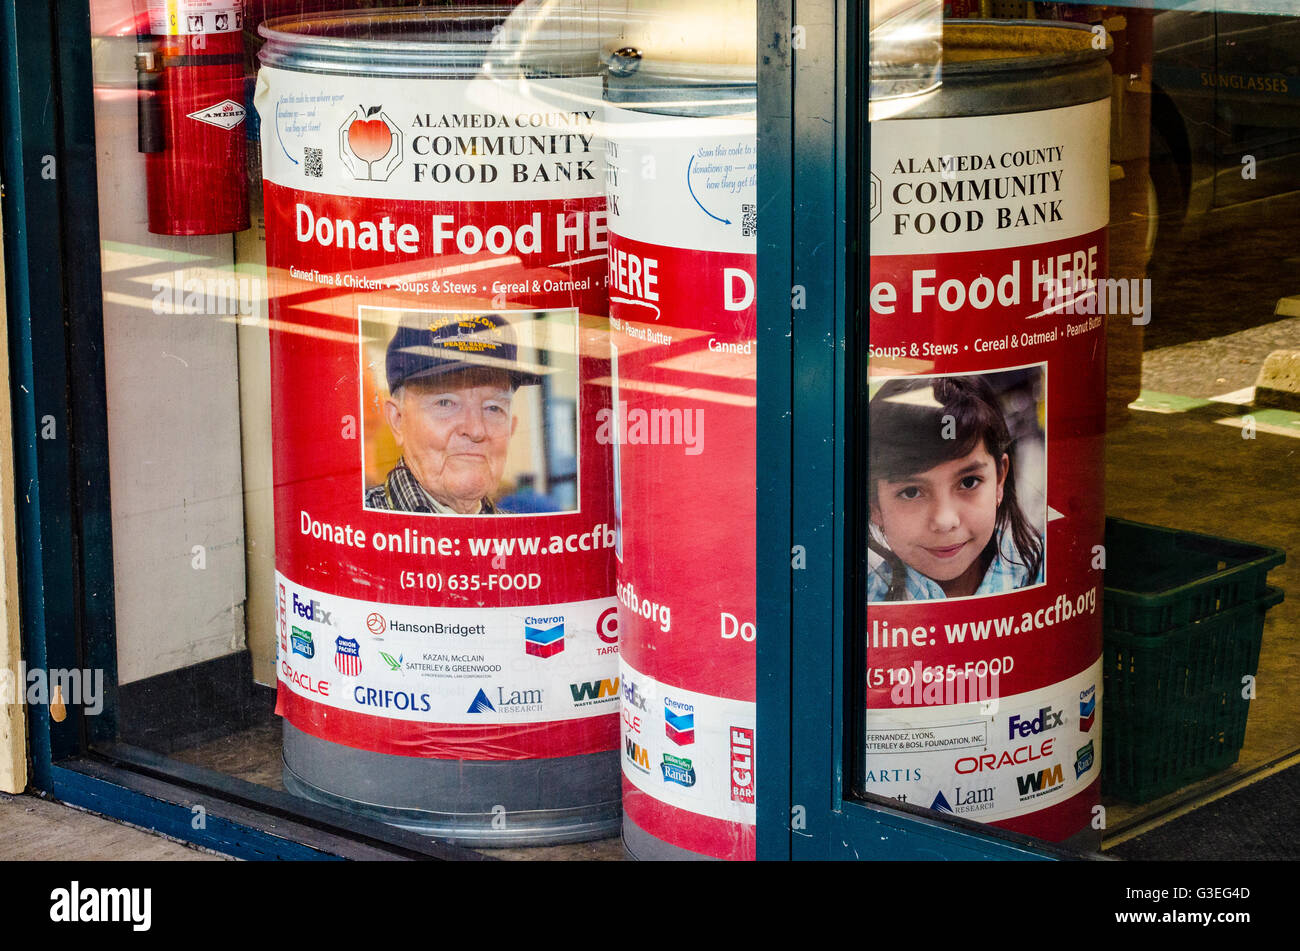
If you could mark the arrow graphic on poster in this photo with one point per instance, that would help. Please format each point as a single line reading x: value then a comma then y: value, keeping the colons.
x: 638, y: 303
x: 1053, y: 515
x: 697, y: 201
x: 277, y: 134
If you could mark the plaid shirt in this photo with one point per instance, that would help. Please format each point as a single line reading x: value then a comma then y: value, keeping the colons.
x: 1006, y: 572
x: 402, y: 492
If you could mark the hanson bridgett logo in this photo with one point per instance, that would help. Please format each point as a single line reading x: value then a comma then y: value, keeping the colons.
x: 543, y: 636
x: 301, y: 641
x: 481, y: 704
x: 1087, y: 708
x: 376, y: 624
x: 1040, y: 783
x: 677, y: 769
x: 310, y: 610
x: 594, y: 691
x: 679, y: 721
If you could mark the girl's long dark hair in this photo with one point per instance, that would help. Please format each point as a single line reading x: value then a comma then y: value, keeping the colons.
x: 908, y: 420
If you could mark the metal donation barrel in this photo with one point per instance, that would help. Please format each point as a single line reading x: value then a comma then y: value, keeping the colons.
x: 682, y: 172
x: 436, y: 241
x: 987, y: 294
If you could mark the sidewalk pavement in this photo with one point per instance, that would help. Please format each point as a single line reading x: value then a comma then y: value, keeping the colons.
x: 35, y: 829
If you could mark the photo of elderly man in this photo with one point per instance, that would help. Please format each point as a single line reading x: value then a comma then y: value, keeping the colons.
x: 452, y: 380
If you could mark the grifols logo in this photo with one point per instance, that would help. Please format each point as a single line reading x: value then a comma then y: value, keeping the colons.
x: 370, y: 144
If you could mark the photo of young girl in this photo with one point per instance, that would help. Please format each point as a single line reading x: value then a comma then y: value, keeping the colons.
x: 947, y: 517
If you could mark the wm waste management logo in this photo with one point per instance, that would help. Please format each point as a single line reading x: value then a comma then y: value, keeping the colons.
x: 636, y: 754
x: 594, y: 691
x: 677, y: 769
x: 347, y: 656
x: 543, y: 636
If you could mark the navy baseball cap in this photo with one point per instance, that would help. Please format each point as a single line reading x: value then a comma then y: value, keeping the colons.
x: 427, y: 346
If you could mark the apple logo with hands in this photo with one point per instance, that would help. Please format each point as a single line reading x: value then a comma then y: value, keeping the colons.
x: 370, y: 144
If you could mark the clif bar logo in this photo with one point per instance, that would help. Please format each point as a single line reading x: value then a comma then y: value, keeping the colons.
x: 742, y: 764
x: 284, y: 622
x: 370, y: 144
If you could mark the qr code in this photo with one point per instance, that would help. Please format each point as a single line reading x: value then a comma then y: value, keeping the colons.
x: 312, y: 164
x: 749, y: 222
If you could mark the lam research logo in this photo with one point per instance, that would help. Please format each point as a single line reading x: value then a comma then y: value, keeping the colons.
x: 347, y: 656
x: 224, y: 115
x: 679, y: 721
x: 1087, y: 708
x: 481, y: 704
x: 301, y: 641
x: 678, y: 769
x: 370, y: 144
x: 543, y: 636
x: 964, y: 801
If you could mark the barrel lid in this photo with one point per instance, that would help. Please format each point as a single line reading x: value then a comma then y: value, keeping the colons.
x: 974, y: 49
x: 702, y: 53
x: 540, y: 37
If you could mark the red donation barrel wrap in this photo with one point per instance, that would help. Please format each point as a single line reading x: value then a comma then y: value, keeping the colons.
x: 191, y: 110
x: 682, y: 172
x: 989, y: 209
x: 436, y: 242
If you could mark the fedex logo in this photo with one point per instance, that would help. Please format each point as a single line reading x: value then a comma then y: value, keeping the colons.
x: 742, y: 764
x: 1047, y: 719
x: 311, y: 610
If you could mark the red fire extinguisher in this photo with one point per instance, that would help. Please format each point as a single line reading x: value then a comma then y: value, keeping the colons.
x: 190, y: 73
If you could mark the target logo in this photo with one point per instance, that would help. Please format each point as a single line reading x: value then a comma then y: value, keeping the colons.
x: 376, y: 624
x: 607, y: 626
